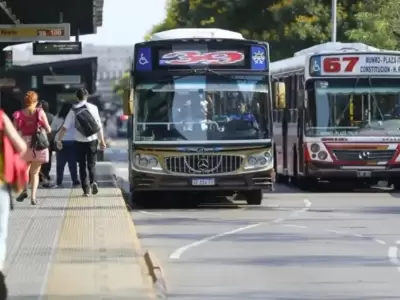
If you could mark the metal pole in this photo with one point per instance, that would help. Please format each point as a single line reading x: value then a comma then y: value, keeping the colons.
x: 334, y: 20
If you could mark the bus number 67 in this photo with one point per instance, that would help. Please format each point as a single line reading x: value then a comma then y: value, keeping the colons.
x: 340, y: 64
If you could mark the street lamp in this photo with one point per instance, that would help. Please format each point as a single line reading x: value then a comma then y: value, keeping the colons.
x: 334, y: 20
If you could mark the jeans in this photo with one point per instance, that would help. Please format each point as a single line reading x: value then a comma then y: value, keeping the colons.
x: 67, y: 155
x: 86, y: 153
x: 4, y: 214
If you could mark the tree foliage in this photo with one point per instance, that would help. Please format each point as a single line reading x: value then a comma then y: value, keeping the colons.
x: 291, y: 25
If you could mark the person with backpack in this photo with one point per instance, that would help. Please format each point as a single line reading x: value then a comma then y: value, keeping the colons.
x: 68, y: 152
x: 44, y: 174
x: 85, y: 117
x: 33, y: 125
x: 12, y: 176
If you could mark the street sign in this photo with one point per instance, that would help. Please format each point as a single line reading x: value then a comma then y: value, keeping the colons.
x: 57, y: 48
x: 35, y: 32
x: 61, y: 79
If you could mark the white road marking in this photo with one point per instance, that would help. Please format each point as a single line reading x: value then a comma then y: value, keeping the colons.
x: 278, y: 220
x: 392, y: 254
x: 380, y: 242
x: 294, y: 226
x: 358, y: 235
x: 307, y: 203
x: 336, y: 231
x: 176, y: 254
x: 150, y: 213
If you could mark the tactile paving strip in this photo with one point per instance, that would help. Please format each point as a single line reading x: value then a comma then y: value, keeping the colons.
x: 95, y: 256
x: 32, y: 235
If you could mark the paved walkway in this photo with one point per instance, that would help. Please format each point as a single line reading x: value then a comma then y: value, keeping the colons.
x: 71, y: 247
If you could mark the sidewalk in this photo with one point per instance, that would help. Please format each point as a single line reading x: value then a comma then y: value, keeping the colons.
x: 71, y: 247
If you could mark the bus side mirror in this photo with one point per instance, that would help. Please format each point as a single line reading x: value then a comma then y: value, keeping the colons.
x: 280, y: 95
x: 128, y: 102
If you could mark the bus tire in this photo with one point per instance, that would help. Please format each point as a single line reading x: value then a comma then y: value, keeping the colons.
x: 254, y: 197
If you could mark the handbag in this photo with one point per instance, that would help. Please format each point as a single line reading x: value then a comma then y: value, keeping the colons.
x: 39, y: 141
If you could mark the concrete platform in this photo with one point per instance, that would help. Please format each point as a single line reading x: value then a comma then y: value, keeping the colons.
x: 73, y: 247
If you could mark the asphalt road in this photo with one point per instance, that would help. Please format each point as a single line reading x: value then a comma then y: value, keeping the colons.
x: 297, y: 245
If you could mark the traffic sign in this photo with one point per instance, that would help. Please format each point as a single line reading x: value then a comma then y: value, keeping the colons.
x: 57, y: 48
x: 35, y: 32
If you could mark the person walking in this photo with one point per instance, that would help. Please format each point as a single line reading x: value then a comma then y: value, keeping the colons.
x: 86, y: 119
x: 68, y: 152
x: 11, y: 143
x: 27, y: 121
x: 44, y: 174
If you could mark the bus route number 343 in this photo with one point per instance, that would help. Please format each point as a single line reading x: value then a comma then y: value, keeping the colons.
x: 344, y: 64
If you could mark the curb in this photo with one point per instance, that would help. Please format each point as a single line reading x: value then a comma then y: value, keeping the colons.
x: 157, y: 275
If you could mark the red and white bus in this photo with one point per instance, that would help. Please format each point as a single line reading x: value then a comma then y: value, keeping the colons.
x: 337, y: 115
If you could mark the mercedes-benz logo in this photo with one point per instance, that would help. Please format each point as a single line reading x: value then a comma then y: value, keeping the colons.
x: 202, y: 164
x: 364, y: 155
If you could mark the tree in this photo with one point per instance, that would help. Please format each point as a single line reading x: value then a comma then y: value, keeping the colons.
x: 122, y: 84
x: 378, y: 24
x: 291, y: 25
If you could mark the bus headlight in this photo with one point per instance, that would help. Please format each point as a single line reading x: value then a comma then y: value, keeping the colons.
x: 315, y: 148
x: 144, y: 161
x: 258, y: 160
x: 322, y: 155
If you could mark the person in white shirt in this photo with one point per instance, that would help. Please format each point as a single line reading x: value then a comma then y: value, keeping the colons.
x: 86, y: 146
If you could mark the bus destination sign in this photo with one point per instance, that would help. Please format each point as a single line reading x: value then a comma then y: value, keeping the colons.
x: 35, y: 32
x: 57, y: 48
x: 244, y: 57
x: 355, y: 65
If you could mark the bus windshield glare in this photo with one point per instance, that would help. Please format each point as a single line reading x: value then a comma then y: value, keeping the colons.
x: 202, y: 108
x: 357, y: 107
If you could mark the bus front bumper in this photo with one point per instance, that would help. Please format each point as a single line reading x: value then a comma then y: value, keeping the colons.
x: 142, y: 181
x: 330, y: 171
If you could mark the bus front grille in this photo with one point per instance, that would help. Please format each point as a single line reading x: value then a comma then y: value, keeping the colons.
x: 364, y: 155
x: 203, y: 164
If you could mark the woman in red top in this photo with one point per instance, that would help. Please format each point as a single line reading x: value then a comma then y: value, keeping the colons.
x: 27, y: 120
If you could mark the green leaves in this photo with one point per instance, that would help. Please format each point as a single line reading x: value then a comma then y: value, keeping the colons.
x: 291, y: 25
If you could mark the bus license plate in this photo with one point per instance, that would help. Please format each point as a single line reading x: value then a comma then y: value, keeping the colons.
x: 364, y: 174
x: 203, y: 182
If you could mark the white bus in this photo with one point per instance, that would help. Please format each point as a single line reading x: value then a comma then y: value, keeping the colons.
x: 203, y: 116
x: 337, y: 115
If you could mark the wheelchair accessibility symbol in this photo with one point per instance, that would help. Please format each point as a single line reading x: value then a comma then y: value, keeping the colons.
x: 143, y: 60
x: 316, y: 67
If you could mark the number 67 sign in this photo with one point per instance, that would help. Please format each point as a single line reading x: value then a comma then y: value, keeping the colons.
x: 339, y: 64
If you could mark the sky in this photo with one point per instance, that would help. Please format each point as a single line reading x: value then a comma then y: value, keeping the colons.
x: 125, y: 22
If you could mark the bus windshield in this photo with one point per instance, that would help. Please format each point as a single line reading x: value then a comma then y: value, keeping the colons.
x: 202, y: 108
x: 364, y: 107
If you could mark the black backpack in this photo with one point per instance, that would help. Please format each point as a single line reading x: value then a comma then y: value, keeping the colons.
x: 85, y: 123
x: 39, y: 139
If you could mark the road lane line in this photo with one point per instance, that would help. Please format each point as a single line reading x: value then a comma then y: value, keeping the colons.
x: 176, y: 254
x: 150, y: 213
x: 380, y: 242
x: 295, y: 226
x: 392, y: 254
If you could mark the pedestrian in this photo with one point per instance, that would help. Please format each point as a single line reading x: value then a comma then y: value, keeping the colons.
x: 44, y: 174
x: 28, y: 121
x: 68, y: 152
x: 11, y: 144
x: 85, y: 118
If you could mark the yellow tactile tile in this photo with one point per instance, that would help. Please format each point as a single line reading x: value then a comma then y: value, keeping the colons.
x: 96, y: 255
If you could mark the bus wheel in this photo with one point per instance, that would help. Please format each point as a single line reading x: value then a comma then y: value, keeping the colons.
x: 254, y: 197
x: 396, y: 185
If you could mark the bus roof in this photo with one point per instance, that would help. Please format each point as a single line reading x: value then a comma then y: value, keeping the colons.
x: 298, y: 61
x: 193, y: 33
